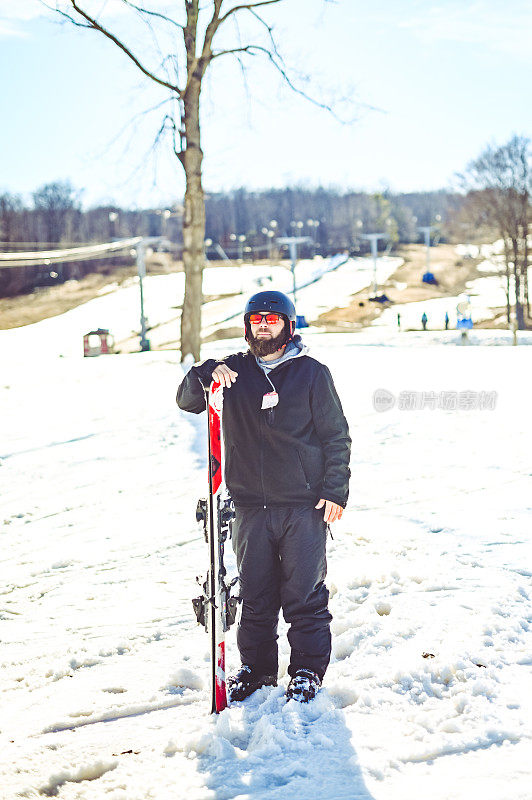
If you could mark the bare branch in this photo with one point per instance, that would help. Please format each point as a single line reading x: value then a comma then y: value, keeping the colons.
x: 244, y: 74
x: 170, y: 119
x: 172, y: 58
x: 169, y: 122
x: 152, y: 108
x: 95, y: 25
x: 190, y: 32
x: 212, y: 27
x: 152, y: 14
x: 254, y: 49
x: 246, y: 49
x: 189, y: 38
x: 196, y: 66
x: 248, y: 7
x: 269, y: 28
x: 130, y: 124
x: 65, y: 15
x: 277, y: 59
x: 140, y: 13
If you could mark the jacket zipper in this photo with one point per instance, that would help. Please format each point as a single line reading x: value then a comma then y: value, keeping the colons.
x: 262, y: 460
x: 270, y: 411
x: 307, y: 484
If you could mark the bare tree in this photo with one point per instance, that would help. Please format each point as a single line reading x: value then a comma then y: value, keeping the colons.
x: 499, y: 184
x: 197, y: 27
x: 10, y: 210
x: 54, y: 204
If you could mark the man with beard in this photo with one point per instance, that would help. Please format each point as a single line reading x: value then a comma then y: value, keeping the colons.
x: 287, y: 450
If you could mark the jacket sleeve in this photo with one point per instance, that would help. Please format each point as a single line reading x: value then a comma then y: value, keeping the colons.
x: 333, y: 432
x: 190, y: 394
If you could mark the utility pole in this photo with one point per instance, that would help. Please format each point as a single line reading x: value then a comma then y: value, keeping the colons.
x: 292, y: 242
x: 141, y: 271
x: 426, y: 229
x: 374, y: 238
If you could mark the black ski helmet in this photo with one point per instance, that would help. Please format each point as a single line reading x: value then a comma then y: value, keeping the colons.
x: 270, y: 300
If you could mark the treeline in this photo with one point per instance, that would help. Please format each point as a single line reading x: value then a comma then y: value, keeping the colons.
x: 240, y: 224
x: 55, y: 217
x: 333, y: 219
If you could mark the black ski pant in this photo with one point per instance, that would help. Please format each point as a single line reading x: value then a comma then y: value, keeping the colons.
x: 281, y: 561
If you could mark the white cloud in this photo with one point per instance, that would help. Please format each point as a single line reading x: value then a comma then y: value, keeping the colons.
x: 22, y: 10
x: 497, y: 26
x: 7, y: 29
x: 14, y: 13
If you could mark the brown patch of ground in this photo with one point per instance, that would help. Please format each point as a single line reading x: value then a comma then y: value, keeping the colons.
x: 225, y: 333
x: 405, y: 286
x: 499, y: 321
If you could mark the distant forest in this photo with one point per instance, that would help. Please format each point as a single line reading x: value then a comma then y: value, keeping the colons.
x: 241, y: 225
x: 332, y: 219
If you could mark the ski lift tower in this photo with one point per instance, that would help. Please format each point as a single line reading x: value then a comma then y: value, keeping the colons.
x: 292, y: 242
x: 426, y: 229
x: 140, y: 250
x: 374, y: 238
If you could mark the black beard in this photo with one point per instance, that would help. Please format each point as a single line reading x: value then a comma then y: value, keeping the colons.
x: 265, y: 347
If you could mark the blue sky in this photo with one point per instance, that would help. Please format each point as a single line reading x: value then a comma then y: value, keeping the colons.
x: 430, y: 84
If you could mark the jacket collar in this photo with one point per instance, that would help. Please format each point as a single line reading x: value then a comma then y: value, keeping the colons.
x: 297, y: 350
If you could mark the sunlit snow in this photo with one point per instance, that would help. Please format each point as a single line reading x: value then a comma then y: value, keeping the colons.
x: 104, y: 671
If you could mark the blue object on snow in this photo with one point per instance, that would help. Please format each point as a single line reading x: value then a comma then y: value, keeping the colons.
x: 301, y: 322
x: 428, y: 277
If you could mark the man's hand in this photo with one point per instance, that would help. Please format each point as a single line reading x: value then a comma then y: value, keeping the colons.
x: 332, y: 510
x: 224, y: 375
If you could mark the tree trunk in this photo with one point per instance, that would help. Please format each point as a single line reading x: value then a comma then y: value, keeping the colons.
x: 524, y: 213
x: 525, y: 258
x: 525, y: 275
x: 193, y: 227
x: 519, y: 316
x: 508, y: 273
x: 508, y: 304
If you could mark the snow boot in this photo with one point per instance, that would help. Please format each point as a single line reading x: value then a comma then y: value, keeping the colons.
x: 246, y: 681
x: 303, y: 686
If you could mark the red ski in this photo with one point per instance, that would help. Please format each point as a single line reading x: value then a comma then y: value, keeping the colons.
x: 216, y: 608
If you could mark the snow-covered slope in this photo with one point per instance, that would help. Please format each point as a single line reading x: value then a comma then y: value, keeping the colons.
x: 118, y: 309
x: 104, y: 670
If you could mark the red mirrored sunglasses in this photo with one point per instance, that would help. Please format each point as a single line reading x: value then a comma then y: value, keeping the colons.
x: 271, y: 319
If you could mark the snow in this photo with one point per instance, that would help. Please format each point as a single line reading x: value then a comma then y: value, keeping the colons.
x: 118, y: 310
x: 483, y: 294
x: 104, y: 669
x: 493, y: 249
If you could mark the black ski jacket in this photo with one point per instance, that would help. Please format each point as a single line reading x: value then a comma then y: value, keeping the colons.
x: 290, y: 455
